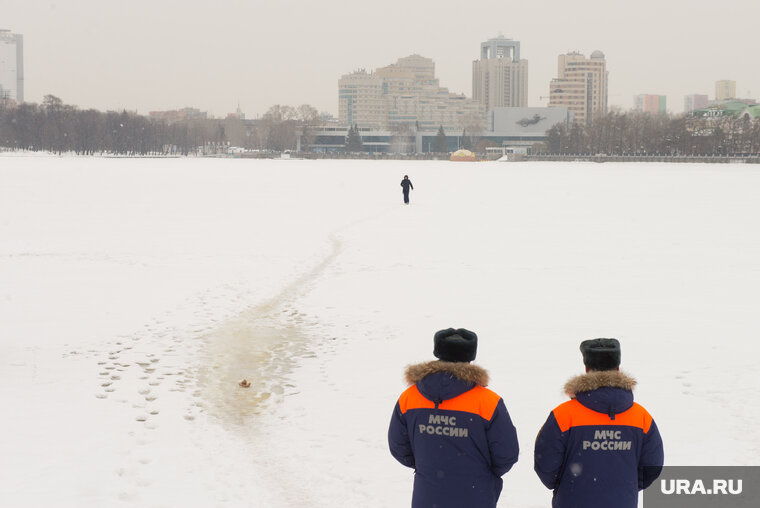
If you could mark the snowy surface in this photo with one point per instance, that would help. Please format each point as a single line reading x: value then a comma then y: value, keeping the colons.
x: 135, y: 293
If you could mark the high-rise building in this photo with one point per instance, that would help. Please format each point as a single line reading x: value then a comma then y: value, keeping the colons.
x: 361, y: 101
x: 725, y: 89
x: 406, y: 93
x: 11, y: 66
x: 694, y: 101
x: 581, y: 85
x: 500, y: 77
x: 649, y: 103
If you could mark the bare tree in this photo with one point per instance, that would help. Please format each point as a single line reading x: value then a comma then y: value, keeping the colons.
x: 474, y: 125
x: 309, y: 120
x: 280, y: 127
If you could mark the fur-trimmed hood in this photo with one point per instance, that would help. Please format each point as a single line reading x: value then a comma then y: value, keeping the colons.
x: 467, y: 372
x: 608, y: 391
x: 598, y: 379
x: 438, y: 380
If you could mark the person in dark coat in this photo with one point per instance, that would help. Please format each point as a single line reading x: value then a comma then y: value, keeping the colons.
x: 406, y: 184
x: 599, y: 448
x: 453, y: 431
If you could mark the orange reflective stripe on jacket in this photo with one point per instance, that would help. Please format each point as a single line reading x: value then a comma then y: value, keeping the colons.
x: 480, y: 401
x: 574, y: 414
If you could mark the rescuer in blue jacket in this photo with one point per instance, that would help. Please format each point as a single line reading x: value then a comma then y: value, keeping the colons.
x: 600, y: 448
x: 453, y: 431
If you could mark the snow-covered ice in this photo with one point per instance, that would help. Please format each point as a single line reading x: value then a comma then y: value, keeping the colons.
x: 136, y: 293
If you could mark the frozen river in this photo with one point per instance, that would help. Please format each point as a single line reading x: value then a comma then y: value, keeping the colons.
x: 136, y: 293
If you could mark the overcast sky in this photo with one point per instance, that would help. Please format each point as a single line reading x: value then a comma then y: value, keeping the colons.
x: 149, y: 55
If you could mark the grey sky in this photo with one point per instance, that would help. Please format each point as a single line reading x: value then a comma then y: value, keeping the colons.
x: 165, y: 54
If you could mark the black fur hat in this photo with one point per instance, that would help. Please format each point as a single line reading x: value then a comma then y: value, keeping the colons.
x: 601, y: 354
x: 455, y: 345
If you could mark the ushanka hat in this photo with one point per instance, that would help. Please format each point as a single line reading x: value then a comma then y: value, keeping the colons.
x: 601, y: 354
x: 458, y: 345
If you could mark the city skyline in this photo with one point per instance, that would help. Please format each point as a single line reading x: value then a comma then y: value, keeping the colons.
x: 166, y: 55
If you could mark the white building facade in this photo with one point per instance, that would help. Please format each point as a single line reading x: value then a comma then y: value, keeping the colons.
x: 404, y: 95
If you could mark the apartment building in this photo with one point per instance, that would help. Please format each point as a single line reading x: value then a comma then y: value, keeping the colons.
x: 404, y: 94
x: 580, y: 85
x: 694, y: 101
x: 725, y: 89
x: 11, y: 66
x: 650, y: 103
x: 500, y: 76
x: 361, y: 101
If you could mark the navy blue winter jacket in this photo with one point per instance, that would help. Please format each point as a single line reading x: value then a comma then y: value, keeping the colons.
x: 600, y: 448
x: 455, y: 433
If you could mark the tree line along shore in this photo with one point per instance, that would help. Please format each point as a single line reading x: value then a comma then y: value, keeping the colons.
x: 54, y: 126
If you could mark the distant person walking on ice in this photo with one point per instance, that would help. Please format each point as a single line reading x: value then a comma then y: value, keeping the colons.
x: 406, y: 183
x: 599, y: 448
x: 453, y: 431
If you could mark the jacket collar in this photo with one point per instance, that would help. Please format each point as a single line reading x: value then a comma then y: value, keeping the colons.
x: 466, y: 372
x: 609, y: 392
x: 599, y: 379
